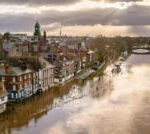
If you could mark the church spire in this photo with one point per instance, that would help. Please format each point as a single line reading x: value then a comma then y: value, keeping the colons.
x: 37, y: 31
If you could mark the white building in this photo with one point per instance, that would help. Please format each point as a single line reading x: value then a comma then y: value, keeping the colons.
x: 46, y: 76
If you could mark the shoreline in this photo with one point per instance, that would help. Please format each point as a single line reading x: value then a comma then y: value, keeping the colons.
x: 11, y: 105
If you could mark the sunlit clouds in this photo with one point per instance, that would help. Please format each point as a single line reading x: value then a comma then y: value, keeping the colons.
x: 83, y: 5
x: 98, y: 30
x: 93, y: 17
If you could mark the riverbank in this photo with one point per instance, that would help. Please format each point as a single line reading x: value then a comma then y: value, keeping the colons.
x: 77, y: 79
x: 36, y: 107
x: 41, y: 112
x: 85, y: 74
x: 40, y: 105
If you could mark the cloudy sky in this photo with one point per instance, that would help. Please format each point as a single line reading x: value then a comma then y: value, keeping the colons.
x: 78, y: 17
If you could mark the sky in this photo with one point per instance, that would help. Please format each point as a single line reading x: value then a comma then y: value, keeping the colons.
x: 77, y: 17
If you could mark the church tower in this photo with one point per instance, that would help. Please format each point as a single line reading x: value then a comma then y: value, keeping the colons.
x: 37, y: 31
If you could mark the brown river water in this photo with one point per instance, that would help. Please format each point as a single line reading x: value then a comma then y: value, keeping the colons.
x: 110, y: 104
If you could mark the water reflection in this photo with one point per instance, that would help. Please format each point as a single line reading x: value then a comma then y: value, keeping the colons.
x: 115, y: 113
x: 117, y: 104
x: 33, y: 109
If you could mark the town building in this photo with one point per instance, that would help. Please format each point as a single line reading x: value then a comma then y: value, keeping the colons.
x: 90, y: 56
x: 19, y: 83
x: 46, y: 75
x: 3, y: 98
x: 22, y: 37
x: 64, y: 70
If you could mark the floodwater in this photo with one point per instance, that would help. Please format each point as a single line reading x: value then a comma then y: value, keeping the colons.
x: 111, y: 104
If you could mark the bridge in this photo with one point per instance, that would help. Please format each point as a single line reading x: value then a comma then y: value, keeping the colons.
x: 145, y: 47
x: 137, y: 53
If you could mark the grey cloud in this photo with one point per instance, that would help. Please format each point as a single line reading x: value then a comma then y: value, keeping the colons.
x: 133, y: 16
x: 53, y: 2
x: 38, y: 2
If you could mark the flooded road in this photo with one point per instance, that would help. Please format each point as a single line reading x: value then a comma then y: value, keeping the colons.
x: 111, y: 104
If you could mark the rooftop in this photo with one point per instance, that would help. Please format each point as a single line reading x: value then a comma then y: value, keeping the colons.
x: 12, y: 71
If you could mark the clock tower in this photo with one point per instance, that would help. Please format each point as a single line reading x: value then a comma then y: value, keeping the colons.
x: 37, y: 32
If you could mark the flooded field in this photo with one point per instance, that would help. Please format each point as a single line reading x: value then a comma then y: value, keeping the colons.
x: 110, y: 104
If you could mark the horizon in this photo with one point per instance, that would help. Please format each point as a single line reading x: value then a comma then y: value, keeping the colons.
x: 94, y: 36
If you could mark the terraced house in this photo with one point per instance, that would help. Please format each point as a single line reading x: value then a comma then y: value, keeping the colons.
x: 19, y: 83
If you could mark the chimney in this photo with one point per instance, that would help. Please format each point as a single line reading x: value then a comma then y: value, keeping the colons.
x: 7, y: 69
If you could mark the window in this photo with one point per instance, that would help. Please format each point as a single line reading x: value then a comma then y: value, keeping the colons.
x: 25, y: 77
x: 20, y: 78
x: 14, y: 87
x: 2, y: 106
x: 20, y: 86
x: 12, y: 95
x: 14, y: 79
x: 3, y: 78
x: 29, y: 75
x: 15, y: 95
x: 2, y: 98
x: 25, y: 84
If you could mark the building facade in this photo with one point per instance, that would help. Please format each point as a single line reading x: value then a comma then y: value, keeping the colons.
x: 3, y: 98
x: 64, y: 70
x: 46, y: 77
x: 20, y: 84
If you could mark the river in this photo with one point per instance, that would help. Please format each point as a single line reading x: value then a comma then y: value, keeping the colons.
x: 110, y: 104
